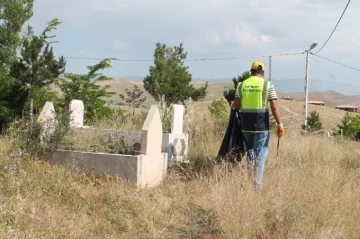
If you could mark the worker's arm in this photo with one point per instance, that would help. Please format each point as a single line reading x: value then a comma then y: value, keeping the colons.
x: 275, y: 111
x: 235, y: 104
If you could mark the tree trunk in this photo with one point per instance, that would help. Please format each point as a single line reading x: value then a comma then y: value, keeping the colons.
x: 133, y: 111
x: 183, y: 101
x: 31, y: 105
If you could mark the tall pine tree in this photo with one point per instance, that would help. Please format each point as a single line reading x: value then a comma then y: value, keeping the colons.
x: 314, y: 122
x: 170, y: 78
x: 13, y: 15
x: 37, y: 65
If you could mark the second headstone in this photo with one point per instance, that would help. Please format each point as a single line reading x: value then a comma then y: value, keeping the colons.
x: 76, y: 114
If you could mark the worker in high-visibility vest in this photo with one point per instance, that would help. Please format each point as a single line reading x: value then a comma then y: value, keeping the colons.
x: 254, y: 97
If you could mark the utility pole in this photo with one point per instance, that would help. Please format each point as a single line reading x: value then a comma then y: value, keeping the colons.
x: 305, y: 112
x: 306, y: 88
x: 269, y: 69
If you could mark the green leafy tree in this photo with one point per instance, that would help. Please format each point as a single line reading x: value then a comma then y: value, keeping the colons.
x: 13, y: 15
x: 314, y: 122
x: 13, y: 95
x: 83, y: 87
x: 229, y: 94
x: 43, y: 94
x: 37, y: 66
x: 133, y: 99
x: 350, y: 127
x: 170, y: 78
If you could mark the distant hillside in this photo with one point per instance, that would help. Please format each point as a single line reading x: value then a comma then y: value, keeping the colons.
x: 292, y: 114
x: 292, y: 111
x: 297, y: 85
x: 216, y: 89
x: 133, y: 77
x: 331, y: 98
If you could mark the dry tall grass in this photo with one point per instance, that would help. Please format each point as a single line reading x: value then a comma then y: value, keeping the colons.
x: 310, y: 191
x: 293, y: 111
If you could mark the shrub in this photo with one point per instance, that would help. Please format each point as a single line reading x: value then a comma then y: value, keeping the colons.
x: 219, y: 112
x: 350, y: 127
x: 314, y: 122
x: 165, y: 114
x: 31, y: 138
x: 229, y: 94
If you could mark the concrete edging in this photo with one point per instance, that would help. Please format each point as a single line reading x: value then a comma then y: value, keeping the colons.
x: 128, y: 167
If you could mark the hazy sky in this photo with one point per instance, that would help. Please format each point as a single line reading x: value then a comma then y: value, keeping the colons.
x: 129, y: 29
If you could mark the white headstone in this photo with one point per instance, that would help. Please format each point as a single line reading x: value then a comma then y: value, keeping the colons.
x: 153, y: 164
x: 47, y: 119
x: 151, y: 133
x: 77, y: 113
x: 177, y: 119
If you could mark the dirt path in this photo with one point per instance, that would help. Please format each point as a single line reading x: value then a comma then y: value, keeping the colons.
x: 294, y: 114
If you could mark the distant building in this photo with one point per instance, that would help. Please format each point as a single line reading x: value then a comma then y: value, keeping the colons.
x: 286, y: 98
x: 349, y: 108
x: 316, y: 102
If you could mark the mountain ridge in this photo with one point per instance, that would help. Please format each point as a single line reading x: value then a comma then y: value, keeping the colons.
x: 291, y: 85
x: 215, y: 91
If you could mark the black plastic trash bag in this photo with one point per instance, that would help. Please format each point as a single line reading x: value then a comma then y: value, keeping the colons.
x: 232, y: 148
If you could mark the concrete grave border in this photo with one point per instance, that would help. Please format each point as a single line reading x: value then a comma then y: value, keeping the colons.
x: 145, y: 170
x: 177, y: 152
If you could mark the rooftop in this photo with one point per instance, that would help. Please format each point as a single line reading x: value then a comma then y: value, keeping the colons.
x: 347, y: 106
x: 315, y: 102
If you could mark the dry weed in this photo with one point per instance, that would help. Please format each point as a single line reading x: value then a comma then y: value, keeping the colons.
x: 311, y: 190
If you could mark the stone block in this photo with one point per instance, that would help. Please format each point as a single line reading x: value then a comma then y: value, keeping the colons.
x: 140, y: 170
x: 124, y: 166
x: 131, y: 139
x: 176, y: 147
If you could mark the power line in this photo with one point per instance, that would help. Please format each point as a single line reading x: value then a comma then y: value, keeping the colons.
x: 242, y: 58
x: 334, y: 28
x: 249, y: 57
x: 217, y: 59
x: 99, y: 59
x: 195, y: 59
x: 353, y: 68
x: 269, y: 69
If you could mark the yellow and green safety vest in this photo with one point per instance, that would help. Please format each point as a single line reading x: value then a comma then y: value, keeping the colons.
x: 254, y: 106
